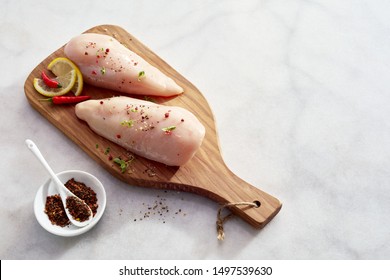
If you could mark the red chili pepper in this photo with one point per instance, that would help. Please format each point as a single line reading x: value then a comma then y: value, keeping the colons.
x: 50, y: 82
x: 67, y: 99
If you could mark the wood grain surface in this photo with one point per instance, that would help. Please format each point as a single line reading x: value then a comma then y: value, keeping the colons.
x: 206, y: 174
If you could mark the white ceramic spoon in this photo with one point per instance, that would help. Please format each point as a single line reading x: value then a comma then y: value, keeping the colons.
x: 63, y: 191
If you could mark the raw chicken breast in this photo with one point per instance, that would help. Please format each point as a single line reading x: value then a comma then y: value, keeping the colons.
x: 106, y: 63
x: 166, y: 134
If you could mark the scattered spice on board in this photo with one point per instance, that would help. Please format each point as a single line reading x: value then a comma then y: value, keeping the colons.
x: 150, y: 170
x: 77, y: 209
x: 55, y: 211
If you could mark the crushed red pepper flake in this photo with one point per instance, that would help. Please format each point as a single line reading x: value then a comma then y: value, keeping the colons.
x: 77, y: 209
x: 55, y: 209
x: 83, y: 192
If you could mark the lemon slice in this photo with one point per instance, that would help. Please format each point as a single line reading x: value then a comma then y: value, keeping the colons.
x: 67, y: 81
x: 62, y: 65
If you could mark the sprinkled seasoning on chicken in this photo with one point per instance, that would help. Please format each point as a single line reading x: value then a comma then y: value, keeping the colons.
x: 105, y: 62
x: 167, y: 134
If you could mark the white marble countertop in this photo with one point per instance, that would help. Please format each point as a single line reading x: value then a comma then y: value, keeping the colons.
x: 300, y: 93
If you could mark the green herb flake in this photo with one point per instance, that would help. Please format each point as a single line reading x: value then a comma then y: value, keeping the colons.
x: 123, y: 164
x: 141, y: 75
x: 169, y: 128
x: 128, y: 123
x: 107, y: 150
x: 97, y: 146
x: 103, y: 70
x: 148, y: 98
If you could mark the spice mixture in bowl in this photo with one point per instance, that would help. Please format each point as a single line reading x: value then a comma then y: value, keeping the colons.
x: 50, y: 212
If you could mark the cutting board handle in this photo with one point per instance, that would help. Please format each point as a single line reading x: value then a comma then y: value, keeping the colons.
x: 217, y: 182
x: 236, y: 192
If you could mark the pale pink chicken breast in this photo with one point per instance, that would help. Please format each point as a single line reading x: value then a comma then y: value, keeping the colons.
x: 167, y: 134
x: 105, y: 62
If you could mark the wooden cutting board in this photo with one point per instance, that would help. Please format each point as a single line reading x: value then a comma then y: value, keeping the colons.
x: 206, y: 174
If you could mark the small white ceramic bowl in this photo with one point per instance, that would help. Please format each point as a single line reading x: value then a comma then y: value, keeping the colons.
x: 48, y: 189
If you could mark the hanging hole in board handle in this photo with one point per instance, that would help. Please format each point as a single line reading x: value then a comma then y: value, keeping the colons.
x: 221, y: 220
x: 258, y: 203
